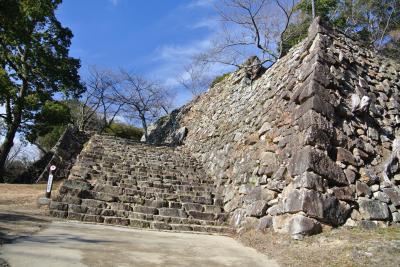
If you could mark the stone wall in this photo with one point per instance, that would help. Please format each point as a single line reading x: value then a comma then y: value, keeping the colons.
x: 62, y: 155
x: 311, y: 142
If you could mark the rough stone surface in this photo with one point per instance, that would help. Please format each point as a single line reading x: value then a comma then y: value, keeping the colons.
x: 288, y: 139
x: 373, y: 210
x: 300, y: 224
x: 117, y: 181
x: 310, y: 136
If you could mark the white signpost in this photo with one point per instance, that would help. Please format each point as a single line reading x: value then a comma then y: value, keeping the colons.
x: 50, y: 181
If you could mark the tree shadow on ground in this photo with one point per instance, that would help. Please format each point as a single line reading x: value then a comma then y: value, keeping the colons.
x: 17, y: 225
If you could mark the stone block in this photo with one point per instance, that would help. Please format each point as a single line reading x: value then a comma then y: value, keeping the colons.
x: 396, y: 216
x: 301, y: 225
x: 77, y: 208
x: 77, y: 184
x: 309, y: 159
x: 362, y: 189
x: 58, y: 213
x: 145, y: 210
x: 264, y: 223
x: 259, y: 193
x: 345, y: 193
x: 201, y: 215
x: 156, y: 203
x: 160, y: 226
x: 116, y: 220
x: 112, y: 190
x: 58, y: 206
x: 182, y: 227
x: 373, y: 209
x: 316, y: 205
x: 93, y: 218
x: 317, y: 104
x: 92, y: 203
x: 309, y: 180
x: 257, y: 209
x: 381, y: 196
x: 393, y: 194
x: 139, y: 223
x: 308, y: 201
x: 212, y: 209
x: 75, y: 216
x: 172, y: 212
x: 345, y: 156
x: 71, y: 200
x: 350, y: 175
x: 104, y: 197
x: 192, y: 206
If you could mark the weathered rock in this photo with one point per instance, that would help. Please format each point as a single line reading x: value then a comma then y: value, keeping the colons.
x: 344, y: 193
x: 373, y: 209
x: 381, y: 197
x: 309, y: 159
x: 302, y: 225
x: 350, y: 175
x: 257, y: 209
x: 309, y: 180
x: 265, y: 223
x: 393, y: 194
x: 363, y: 189
x: 345, y: 156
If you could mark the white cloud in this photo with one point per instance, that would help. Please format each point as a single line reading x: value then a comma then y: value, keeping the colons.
x: 114, y: 2
x: 179, y: 52
x: 210, y: 23
x: 200, y: 3
x: 172, y: 59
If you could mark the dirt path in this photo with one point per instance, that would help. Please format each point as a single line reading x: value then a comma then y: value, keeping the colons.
x: 30, y: 238
x: 75, y: 244
x: 19, y: 214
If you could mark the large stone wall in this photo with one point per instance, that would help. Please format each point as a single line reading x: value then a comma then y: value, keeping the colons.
x: 62, y: 155
x: 311, y: 142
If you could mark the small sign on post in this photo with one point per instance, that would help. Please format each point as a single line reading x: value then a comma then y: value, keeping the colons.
x: 50, y: 181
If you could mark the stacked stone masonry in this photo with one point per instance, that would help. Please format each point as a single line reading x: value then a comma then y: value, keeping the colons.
x: 312, y: 141
x: 117, y: 181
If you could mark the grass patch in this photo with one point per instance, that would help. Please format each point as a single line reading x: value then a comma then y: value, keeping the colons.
x: 336, y: 247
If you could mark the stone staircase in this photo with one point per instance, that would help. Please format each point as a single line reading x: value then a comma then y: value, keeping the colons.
x: 117, y: 181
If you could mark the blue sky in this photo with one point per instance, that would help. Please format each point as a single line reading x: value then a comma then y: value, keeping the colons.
x: 154, y: 38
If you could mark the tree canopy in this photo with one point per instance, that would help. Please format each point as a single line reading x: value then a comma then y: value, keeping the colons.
x: 34, y: 63
x: 374, y: 23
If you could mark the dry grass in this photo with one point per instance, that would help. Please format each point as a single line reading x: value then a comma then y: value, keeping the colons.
x: 19, y: 213
x: 337, y: 247
x: 23, y: 197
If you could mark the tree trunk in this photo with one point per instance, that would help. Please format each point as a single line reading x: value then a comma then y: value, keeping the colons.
x: 6, y: 147
x: 313, y: 8
x: 144, y: 124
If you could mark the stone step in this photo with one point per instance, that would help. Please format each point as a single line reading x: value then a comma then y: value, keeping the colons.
x: 188, y: 211
x: 139, y: 185
x: 165, y: 224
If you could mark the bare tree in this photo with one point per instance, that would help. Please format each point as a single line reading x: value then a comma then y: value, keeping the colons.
x: 196, y: 78
x: 250, y: 27
x: 15, y: 152
x: 143, y: 100
x: 98, y: 105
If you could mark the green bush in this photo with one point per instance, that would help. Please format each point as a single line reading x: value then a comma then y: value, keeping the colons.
x: 219, y: 79
x: 48, y: 140
x: 125, y: 131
